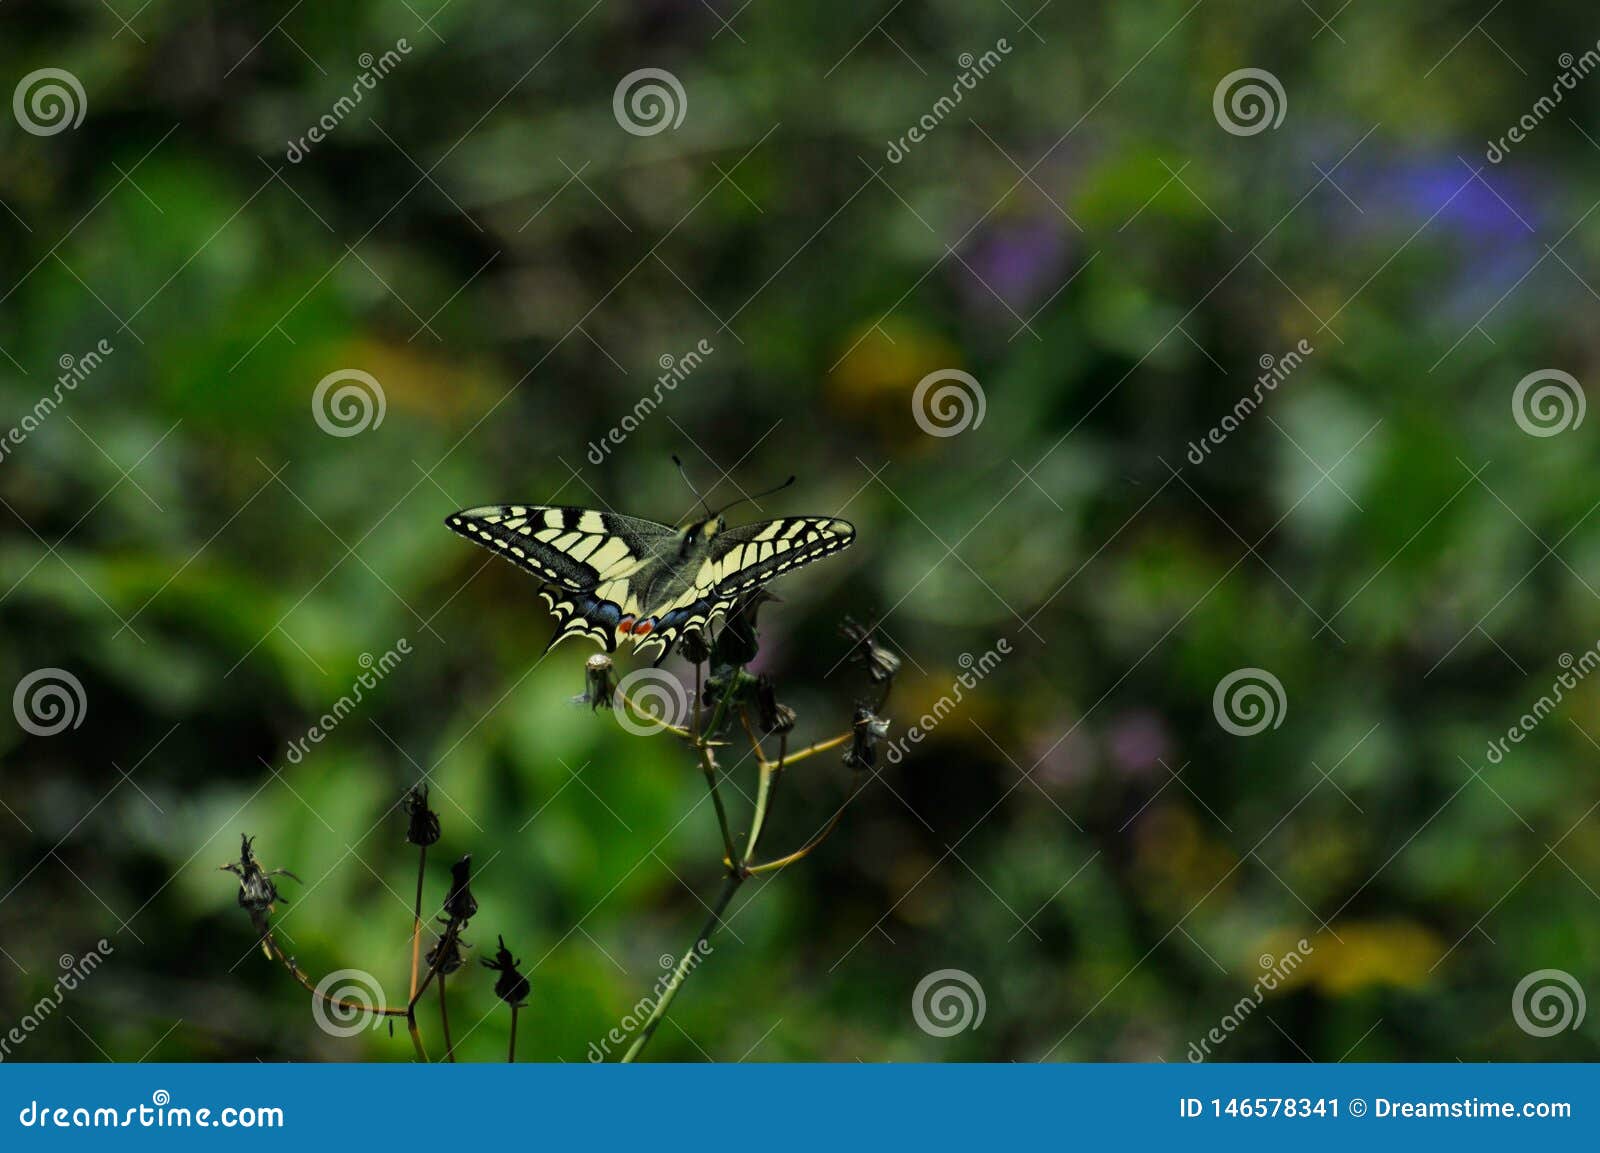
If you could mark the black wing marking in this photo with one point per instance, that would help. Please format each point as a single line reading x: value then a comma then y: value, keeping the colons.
x: 570, y: 548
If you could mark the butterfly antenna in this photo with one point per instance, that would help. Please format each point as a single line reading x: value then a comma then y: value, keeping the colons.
x: 685, y: 474
x: 756, y: 496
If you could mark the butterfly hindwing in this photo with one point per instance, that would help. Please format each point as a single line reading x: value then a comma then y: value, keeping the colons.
x: 613, y: 578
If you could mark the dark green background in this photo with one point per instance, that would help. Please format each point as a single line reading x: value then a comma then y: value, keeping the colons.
x: 1036, y: 841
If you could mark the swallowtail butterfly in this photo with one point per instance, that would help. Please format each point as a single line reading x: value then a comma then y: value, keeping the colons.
x: 618, y: 578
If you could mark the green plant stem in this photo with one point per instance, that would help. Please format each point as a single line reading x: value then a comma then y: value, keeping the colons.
x: 416, y: 921
x: 708, y: 764
x: 730, y: 886
x: 444, y: 1023
x: 758, y: 819
x: 820, y: 747
x: 416, y: 1036
x: 805, y: 850
x: 270, y: 942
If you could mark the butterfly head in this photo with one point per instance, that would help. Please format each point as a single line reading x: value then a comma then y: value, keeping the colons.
x: 697, y: 534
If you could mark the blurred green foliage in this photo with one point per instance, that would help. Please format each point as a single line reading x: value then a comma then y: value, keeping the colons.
x: 1083, y: 237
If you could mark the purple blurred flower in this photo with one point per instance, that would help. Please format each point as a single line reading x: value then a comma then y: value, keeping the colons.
x: 1138, y: 742
x: 1021, y: 259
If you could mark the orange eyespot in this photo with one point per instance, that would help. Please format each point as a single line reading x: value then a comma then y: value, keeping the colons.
x: 643, y: 627
x: 625, y: 625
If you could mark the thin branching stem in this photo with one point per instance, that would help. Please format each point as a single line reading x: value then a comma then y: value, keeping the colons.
x: 276, y: 950
x: 819, y: 747
x: 758, y: 819
x: 730, y: 886
x: 810, y: 846
x: 708, y: 765
x: 511, y: 1053
x: 652, y: 718
x: 416, y: 921
x: 444, y: 1023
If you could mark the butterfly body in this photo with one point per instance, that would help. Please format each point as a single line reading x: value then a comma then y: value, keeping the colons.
x: 615, y: 578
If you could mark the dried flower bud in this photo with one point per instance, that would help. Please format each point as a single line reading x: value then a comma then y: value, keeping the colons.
x: 772, y: 716
x: 257, y: 893
x: 512, y: 987
x: 880, y: 663
x: 446, y: 955
x: 423, y: 827
x: 866, y: 731
x: 694, y: 648
x: 598, y: 683
x: 737, y: 641
x: 459, y: 904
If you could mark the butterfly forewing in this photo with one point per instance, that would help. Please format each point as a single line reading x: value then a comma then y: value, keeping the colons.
x: 574, y: 548
x: 752, y: 554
